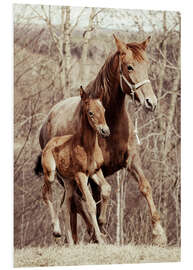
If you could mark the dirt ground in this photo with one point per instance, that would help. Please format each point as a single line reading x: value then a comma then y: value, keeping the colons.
x: 94, y: 254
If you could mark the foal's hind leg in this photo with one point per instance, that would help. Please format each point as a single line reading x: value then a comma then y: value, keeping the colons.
x: 70, y: 219
x: 159, y: 236
x: 49, y: 176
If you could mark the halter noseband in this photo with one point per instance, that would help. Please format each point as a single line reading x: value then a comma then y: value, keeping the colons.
x: 133, y: 87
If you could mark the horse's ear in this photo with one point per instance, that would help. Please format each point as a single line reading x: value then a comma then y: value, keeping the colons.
x: 82, y: 93
x: 145, y: 43
x: 121, y: 46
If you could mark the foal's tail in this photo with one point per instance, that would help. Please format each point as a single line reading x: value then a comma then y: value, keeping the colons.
x: 38, y: 168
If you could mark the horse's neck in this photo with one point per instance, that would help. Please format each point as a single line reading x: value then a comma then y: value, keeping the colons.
x: 115, y: 104
x: 116, y: 97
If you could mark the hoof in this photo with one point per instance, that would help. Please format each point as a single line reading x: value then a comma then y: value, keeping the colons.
x: 56, y: 229
x: 102, y: 228
x: 160, y: 240
x: 101, y: 241
x: 104, y: 237
x: 159, y: 236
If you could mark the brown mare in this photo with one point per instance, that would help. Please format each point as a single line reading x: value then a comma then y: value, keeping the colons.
x: 124, y: 73
x: 76, y: 157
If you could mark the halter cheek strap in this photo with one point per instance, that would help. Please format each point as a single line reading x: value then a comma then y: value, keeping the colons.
x: 133, y: 87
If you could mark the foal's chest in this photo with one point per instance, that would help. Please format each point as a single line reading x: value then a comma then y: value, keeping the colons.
x: 88, y: 162
x: 95, y: 163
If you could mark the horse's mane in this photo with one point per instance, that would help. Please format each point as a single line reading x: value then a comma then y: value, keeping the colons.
x: 137, y: 50
x: 102, y: 85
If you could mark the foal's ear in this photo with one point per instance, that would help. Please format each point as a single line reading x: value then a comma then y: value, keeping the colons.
x: 83, y: 94
x: 145, y: 43
x: 121, y: 46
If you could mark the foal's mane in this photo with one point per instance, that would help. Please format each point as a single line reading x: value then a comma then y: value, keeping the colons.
x: 102, y: 86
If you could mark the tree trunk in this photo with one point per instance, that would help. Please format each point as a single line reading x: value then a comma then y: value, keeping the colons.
x: 67, y: 53
x: 86, y: 35
x: 118, y: 241
x: 162, y: 69
x: 120, y: 207
x: 168, y: 136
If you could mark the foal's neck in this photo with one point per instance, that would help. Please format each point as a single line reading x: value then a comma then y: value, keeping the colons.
x: 88, y: 135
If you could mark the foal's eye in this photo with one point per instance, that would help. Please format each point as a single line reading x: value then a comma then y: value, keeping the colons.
x: 130, y: 68
x: 91, y: 114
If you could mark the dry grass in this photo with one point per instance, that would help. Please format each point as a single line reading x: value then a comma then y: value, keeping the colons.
x: 94, y: 254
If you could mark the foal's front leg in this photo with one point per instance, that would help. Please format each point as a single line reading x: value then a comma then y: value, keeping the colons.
x: 99, y: 179
x: 159, y: 236
x: 82, y: 180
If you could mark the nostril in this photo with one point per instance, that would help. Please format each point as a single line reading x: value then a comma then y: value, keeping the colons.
x: 105, y: 132
x: 148, y: 102
x: 150, y: 105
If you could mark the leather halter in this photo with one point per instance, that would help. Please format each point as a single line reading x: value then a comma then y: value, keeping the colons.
x: 133, y: 87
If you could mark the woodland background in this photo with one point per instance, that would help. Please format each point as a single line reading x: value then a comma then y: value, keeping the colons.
x: 57, y: 49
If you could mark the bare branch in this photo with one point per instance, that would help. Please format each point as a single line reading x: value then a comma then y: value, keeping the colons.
x: 77, y: 20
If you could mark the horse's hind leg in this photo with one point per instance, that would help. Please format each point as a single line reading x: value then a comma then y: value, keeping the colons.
x: 159, y: 236
x: 49, y: 176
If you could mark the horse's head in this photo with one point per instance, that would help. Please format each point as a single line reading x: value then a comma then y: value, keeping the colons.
x: 133, y: 71
x: 95, y: 113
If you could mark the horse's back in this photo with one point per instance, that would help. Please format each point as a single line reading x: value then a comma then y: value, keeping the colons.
x: 61, y: 120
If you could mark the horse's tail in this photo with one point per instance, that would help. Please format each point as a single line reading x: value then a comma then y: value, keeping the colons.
x: 38, y: 168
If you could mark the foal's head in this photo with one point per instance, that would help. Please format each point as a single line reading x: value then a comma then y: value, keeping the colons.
x: 95, y: 113
x: 133, y: 64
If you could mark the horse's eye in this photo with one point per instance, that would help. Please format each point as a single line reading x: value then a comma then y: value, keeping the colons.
x: 130, y: 68
x: 91, y: 114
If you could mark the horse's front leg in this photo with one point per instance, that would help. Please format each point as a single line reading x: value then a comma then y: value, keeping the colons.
x: 159, y: 236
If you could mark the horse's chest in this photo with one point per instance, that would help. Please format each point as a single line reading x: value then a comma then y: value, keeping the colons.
x: 115, y: 151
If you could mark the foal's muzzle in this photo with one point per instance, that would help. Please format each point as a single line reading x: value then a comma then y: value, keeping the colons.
x: 104, y: 131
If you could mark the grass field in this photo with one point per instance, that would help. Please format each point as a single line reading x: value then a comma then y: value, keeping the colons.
x: 94, y: 254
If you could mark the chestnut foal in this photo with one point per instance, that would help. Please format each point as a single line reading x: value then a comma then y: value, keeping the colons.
x: 77, y: 157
